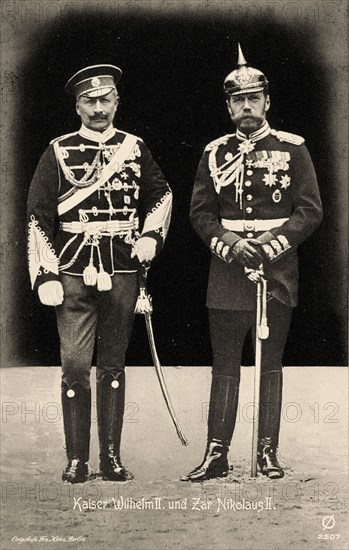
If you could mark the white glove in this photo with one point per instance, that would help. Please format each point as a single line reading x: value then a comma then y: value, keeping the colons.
x: 51, y: 293
x: 144, y: 249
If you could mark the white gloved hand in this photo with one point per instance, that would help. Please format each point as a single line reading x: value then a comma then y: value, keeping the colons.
x: 51, y: 293
x: 144, y: 249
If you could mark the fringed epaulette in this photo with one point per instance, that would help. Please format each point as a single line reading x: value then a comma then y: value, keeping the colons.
x: 65, y: 136
x: 219, y: 141
x: 287, y: 137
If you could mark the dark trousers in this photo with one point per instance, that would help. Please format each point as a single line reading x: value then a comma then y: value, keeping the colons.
x: 228, y: 331
x: 88, y: 314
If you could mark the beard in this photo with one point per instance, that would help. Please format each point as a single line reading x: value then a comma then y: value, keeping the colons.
x: 248, y: 123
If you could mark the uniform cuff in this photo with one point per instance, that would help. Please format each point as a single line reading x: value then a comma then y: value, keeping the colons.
x: 221, y: 246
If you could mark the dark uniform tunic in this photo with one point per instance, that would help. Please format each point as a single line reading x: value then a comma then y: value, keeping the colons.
x: 135, y: 193
x: 244, y: 187
x: 85, y: 239
x: 261, y: 187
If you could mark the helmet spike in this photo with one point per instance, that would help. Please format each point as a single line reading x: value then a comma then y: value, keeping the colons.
x: 244, y: 79
x: 241, y: 59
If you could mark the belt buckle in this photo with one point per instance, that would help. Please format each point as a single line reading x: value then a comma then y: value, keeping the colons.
x: 93, y: 228
x: 113, y: 226
x: 249, y: 225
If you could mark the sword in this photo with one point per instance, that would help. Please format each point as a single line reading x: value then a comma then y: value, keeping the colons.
x: 144, y: 306
x: 262, y: 333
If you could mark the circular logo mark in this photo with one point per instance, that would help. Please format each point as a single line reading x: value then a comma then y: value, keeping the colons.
x: 95, y: 82
x: 328, y: 522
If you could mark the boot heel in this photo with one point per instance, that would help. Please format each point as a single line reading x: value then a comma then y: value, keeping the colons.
x: 215, y: 464
x: 269, y: 464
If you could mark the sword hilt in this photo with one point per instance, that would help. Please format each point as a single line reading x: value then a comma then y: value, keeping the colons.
x: 144, y: 300
x: 143, y: 274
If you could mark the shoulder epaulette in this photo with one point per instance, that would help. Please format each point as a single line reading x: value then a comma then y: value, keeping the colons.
x: 60, y: 138
x: 223, y: 140
x: 289, y: 138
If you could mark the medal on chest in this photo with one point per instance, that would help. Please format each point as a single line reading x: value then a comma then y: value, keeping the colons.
x: 273, y: 161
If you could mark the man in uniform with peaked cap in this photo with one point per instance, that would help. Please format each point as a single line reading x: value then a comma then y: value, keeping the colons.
x: 255, y: 199
x: 113, y: 206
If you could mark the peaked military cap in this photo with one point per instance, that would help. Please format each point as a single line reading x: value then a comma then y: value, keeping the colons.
x: 94, y: 81
x: 244, y: 79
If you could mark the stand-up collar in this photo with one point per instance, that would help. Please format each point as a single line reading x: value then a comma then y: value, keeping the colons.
x: 99, y: 137
x: 261, y: 133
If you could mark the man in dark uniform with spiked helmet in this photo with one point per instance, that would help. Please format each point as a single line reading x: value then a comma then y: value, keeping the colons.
x: 255, y: 199
x: 113, y: 208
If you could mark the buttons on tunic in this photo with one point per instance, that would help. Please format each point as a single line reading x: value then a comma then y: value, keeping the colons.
x: 249, y: 197
x: 249, y: 172
x: 248, y: 183
x: 249, y: 235
x: 248, y: 210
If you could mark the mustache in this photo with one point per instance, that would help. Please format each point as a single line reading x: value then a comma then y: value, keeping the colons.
x: 249, y: 117
x: 98, y: 117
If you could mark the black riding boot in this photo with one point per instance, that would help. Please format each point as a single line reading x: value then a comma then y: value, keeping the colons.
x: 221, y: 422
x: 269, y: 424
x: 110, y: 413
x: 76, y: 404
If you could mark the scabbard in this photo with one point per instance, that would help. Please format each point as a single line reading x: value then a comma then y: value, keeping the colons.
x: 161, y: 378
x: 144, y: 306
x: 256, y: 385
x: 262, y: 333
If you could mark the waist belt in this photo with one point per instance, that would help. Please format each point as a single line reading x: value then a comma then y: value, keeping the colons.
x: 102, y: 228
x: 252, y: 225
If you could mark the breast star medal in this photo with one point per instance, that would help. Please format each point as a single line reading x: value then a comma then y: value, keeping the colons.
x: 270, y: 179
x: 285, y: 181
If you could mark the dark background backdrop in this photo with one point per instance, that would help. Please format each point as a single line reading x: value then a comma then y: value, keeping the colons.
x: 171, y: 96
